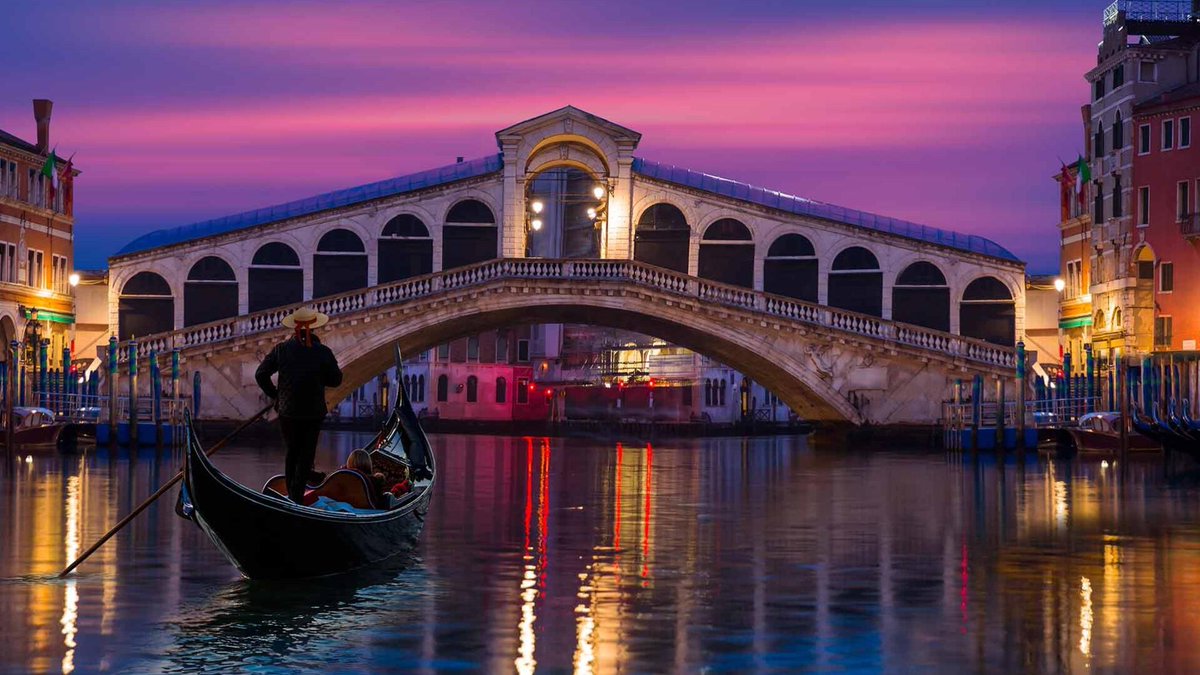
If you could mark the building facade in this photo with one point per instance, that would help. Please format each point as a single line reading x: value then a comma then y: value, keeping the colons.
x: 1148, y: 48
x: 36, y: 241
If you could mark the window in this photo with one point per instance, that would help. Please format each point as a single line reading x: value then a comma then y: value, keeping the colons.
x: 443, y: 392
x: 687, y: 396
x: 1118, y: 133
x: 443, y: 352
x: 502, y: 348
x: 1098, y: 91
x: 1185, y: 132
x: 420, y: 397
x: 58, y: 279
x: 708, y: 392
x: 1168, y: 134
x: 1075, y: 281
x: 522, y: 390
x: 1098, y: 204
x: 8, y: 178
x: 1162, y: 331
x: 1166, y: 277
x: 1098, y: 140
x: 472, y: 389
x: 1183, y: 201
x: 473, y: 348
x: 34, y: 273
x: 522, y: 351
x: 724, y: 388
x: 1118, y: 75
x: 1118, y: 208
x: 1146, y: 270
x: 1144, y: 205
x: 1147, y: 71
x: 1144, y: 139
x: 8, y: 262
x: 501, y: 390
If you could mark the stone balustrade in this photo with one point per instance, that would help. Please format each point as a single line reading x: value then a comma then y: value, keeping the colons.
x: 634, y: 273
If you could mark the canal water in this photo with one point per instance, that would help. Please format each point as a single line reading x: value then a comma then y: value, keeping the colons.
x: 554, y: 555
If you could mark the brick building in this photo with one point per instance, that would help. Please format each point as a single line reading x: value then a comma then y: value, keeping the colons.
x: 36, y: 240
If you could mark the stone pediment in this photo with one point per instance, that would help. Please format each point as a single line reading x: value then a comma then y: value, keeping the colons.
x: 569, y: 121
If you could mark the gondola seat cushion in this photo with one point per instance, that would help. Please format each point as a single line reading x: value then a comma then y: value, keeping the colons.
x: 345, y: 486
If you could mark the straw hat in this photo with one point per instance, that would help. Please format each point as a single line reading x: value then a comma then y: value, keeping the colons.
x: 306, y: 316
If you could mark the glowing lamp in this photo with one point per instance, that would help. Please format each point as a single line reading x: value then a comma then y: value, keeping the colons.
x: 537, y: 206
x: 1059, y: 284
x: 532, y: 387
x: 536, y: 224
x: 591, y: 214
x: 73, y: 279
x: 598, y: 192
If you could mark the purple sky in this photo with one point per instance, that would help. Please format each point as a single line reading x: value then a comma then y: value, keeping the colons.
x: 951, y: 113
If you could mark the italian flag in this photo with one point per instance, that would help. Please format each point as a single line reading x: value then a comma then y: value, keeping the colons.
x: 48, y: 170
x: 1083, y: 175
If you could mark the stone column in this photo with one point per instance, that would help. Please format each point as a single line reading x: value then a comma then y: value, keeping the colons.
x: 511, y: 217
x: 618, y: 240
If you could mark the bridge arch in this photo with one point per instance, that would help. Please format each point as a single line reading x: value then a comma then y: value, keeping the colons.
x: 791, y: 267
x: 778, y: 365
x: 987, y: 311
x: 663, y: 236
x: 469, y: 232
x: 339, y: 262
x: 921, y: 296
x: 145, y: 305
x: 856, y: 281
x: 276, y: 276
x: 210, y: 292
x: 405, y: 248
x: 727, y: 253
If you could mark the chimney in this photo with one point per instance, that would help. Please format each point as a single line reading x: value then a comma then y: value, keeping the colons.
x: 458, y: 160
x: 41, y: 115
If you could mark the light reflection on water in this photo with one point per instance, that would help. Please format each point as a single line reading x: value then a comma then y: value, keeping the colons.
x: 552, y: 554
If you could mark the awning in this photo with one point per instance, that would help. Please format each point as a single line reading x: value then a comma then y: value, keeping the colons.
x: 53, y: 317
x: 1076, y: 322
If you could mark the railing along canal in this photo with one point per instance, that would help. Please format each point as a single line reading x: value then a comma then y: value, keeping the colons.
x: 629, y: 271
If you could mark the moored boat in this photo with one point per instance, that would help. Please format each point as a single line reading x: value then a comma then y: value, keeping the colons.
x: 1099, y: 433
x: 38, y: 428
x: 266, y: 536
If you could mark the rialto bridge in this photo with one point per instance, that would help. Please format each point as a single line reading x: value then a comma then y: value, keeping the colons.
x: 844, y: 315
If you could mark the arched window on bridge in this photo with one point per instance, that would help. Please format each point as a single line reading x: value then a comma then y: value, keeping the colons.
x: 276, y: 278
x: 405, y: 249
x: 469, y: 234
x: 708, y: 392
x: 727, y: 253
x: 987, y: 312
x: 210, y: 292
x: 724, y: 388
x: 340, y: 263
x: 662, y: 238
x: 419, y: 389
x: 791, y: 268
x: 443, y: 388
x: 856, y: 282
x: 921, y: 297
x: 501, y: 390
x: 472, y: 389
x: 145, y: 306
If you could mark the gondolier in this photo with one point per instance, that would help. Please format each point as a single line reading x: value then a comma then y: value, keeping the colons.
x: 305, y: 367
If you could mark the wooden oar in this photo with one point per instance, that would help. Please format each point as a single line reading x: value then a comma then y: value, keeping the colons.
x: 150, y: 500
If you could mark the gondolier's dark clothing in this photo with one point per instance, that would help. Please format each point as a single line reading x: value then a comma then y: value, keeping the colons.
x: 304, y: 373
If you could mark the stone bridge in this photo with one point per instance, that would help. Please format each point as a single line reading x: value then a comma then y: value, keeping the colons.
x: 826, y: 363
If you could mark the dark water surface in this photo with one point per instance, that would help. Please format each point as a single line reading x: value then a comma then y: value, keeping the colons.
x: 557, y: 555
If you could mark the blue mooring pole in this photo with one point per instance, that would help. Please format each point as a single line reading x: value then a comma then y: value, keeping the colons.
x: 976, y: 409
x: 133, y: 394
x: 1021, y: 395
x: 43, y: 359
x: 1091, y: 378
x: 113, y: 409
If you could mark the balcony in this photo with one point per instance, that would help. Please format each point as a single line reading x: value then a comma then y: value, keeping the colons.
x: 1170, y: 11
x: 1189, y: 225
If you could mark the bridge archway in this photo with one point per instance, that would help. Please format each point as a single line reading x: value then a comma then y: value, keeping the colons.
x: 783, y: 369
x: 469, y: 234
x: 663, y: 237
x: 856, y: 282
x: 210, y: 292
x: 790, y: 268
x: 145, y: 306
x: 340, y: 263
x: 405, y: 249
x: 921, y: 296
x: 727, y: 253
x: 276, y: 277
x: 987, y: 312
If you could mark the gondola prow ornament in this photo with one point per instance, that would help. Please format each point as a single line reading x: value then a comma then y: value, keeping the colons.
x: 305, y: 368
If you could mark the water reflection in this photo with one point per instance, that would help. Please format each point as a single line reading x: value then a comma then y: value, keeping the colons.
x: 550, y: 554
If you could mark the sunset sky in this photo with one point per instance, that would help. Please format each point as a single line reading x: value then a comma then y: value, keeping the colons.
x: 950, y: 113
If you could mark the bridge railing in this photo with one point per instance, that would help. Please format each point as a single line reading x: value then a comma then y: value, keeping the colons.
x: 629, y: 271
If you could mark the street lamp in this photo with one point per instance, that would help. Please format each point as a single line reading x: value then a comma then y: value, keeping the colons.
x: 598, y: 192
x: 1059, y: 284
x: 537, y: 206
x: 73, y: 279
x: 536, y: 224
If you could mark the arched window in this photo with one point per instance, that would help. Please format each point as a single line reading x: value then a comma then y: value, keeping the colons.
x: 662, y: 238
x: 145, y: 306
x: 1098, y: 325
x: 501, y: 390
x: 987, y: 312
x: 408, y: 387
x: 276, y: 278
x: 420, y: 389
x: 340, y: 263
x: 210, y: 292
x: 922, y: 297
x: 443, y: 388
x: 405, y: 249
x: 472, y: 389
x: 708, y: 391
x: 469, y: 234
x: 727, y: 253
x: 790, y: 268
x: 856, y: 282
x: 724, y: 388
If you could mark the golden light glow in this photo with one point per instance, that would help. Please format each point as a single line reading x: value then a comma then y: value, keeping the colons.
x: 1059, y: 284
x: 1085, y: 616
x: 71, y: 599
x: 537, y: 206
x: 591, y: 213
x: 536, y: 224
x: 598, y: 192
x: 73, y: 279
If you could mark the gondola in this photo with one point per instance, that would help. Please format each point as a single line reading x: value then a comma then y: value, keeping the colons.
x: 266, y: 536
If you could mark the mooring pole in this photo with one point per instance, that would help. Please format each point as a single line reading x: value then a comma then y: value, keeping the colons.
x: 43, y: 360
x: 133, y: 395
x: 976, y: 409
x: 156, y: 397
x: 112, y: 390
x: 1001, y: 410
x: 175, y: 387
x: 64, y: 399
x: 1123, y: 394
x: 14, y: 362
x: 1021, y: 395
x: 1091, y: 379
